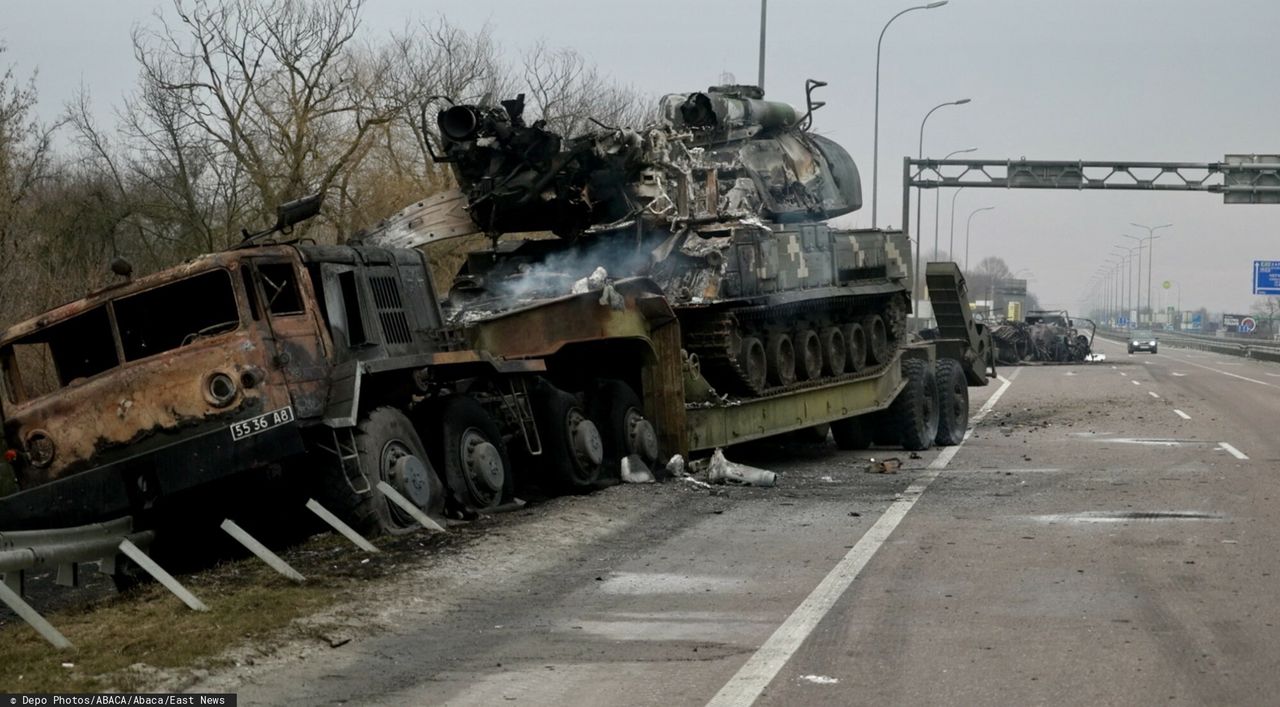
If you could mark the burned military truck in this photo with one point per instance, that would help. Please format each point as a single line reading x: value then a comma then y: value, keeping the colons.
x: 723, y: 204
x: 327, y: 369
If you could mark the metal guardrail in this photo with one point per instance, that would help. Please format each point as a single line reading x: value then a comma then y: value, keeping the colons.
x: 1256, y: 350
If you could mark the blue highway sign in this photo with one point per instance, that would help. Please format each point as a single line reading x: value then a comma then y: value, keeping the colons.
x: 1266, y: 277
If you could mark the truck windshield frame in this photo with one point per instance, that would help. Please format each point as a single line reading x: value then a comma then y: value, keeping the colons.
x: 132, y: 327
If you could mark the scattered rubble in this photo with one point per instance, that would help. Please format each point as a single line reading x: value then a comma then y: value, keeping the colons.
x: 723, y: 471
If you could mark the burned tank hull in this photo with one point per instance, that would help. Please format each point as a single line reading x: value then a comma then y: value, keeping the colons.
x: 724, y: 205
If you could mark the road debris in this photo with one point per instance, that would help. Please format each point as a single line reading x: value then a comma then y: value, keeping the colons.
x: 723, y: 471
x: 890, y: 465
x: 635, y: 471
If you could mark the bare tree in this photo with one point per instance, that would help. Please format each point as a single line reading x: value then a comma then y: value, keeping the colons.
x: 573, y: 97
x: 281, y: 86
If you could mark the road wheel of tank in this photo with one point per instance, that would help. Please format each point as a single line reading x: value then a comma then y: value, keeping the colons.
x: 473, y: 455
x: 618, y: 414
x: 855, y: 339
x: 953, y: 403
x: 808, y: 355
x: 877, y: 339
x: 572, y: 449
x: 853, y: 433
x: 754, y: 365
x: 914, y: 413
x: 389, y: 449
x: 780, y: 356
x: 834, y: 351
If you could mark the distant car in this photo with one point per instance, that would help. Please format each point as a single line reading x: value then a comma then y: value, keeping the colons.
x: 1142, y: 341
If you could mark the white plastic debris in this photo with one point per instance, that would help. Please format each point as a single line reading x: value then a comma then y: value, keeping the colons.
x: 820, y: 679
x: 723, y: 471
x: 1095, y: 357
x: 594, y: 281
x: 635, y: 471
x: 675, y: 466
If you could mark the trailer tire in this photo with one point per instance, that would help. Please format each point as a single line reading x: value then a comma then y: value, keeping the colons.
x: 473, y: 455
x: 618, y: 413
x: 389, y: 449
x: 853, y: 433
x: 572, y: 449
x: 914, y: 413
x: 953, y: 403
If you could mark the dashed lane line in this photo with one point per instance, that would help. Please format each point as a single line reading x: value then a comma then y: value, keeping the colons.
x: 763, y: 666
x: 1153, y: 394
x: 1233, y: 451
x: 1228, y: 373
x: 1182, y: 414
x: 1135, y: 382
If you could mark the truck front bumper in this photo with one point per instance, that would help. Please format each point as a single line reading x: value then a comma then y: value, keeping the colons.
x: 134, y: 485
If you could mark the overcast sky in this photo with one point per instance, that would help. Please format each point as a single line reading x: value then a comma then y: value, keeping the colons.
x: 1164, y: 80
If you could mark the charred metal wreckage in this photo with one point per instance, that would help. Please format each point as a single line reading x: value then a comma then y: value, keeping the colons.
x: 693, y: 297
x: 1043, y: 337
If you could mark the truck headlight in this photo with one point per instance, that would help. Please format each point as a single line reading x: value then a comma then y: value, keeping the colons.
x: 220, y: 389
x: 40, y: 448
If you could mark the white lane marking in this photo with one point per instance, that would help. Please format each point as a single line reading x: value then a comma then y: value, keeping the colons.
x: 1182, y: 414
x: 1113, y: 368
x: 1135, y: 382
x: 1146, y: 363
x: 1126, y: 375
x: 1069, y: 373
x: 762, y: 667
x: 1153, y: 394
x: 1233, y: 451
x: 1179, y: 375
x: 820, y: 679
x: 1233, y: 375
x: 1274, y: 375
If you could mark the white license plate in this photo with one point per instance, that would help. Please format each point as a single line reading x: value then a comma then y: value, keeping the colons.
x: 261, y: 423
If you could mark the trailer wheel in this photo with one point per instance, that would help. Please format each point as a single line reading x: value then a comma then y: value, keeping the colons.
x: 856, y: 339
x: 953, y: 403
x: 914, y: 413
x: 853, y: 433
x: 834, y: 351
x: 388, y: 449
x: 618, y: 413
x: 781, y: 357
x: 877, y: 339
x: 474, y: 455
x: 572, y: 449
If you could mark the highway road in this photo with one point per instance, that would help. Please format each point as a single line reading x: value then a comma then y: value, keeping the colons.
x: 1106, y: 535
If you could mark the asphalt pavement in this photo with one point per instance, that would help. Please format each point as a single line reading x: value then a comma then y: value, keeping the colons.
x: 1106, y: 535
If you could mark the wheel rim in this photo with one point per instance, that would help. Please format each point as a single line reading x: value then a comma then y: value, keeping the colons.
x: 585, y: 444
x: 409, y: 475
x: 482, y: 467
x: 642, y: 440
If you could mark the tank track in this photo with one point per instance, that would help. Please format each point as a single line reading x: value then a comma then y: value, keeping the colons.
x: 715, y: 336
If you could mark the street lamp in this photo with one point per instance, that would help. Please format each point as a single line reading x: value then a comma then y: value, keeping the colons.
x: 875, y: 148
x: 938, y: 195
x: 1150, y: 237
x: 968, y: 225
x: 952, y: 243
x: 1131, y: 290
x: 920, y: 198
x: 1138, y: 287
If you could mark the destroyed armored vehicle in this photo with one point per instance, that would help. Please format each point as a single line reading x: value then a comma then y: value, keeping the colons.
x: 724, y: 204
x: 1043, y: 336
x: 188, y: 393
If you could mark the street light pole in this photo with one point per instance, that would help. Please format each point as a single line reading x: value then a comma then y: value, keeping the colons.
x: 916, y: 293
x: 937, y: 195
x: 875, y: 147
x: 1150, y: 237
x: 969, y: 225
x: 1138, y: 289
x: 764, y: 15
x: 951, y: 246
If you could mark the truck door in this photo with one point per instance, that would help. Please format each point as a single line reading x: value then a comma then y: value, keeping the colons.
x: 281, y: 294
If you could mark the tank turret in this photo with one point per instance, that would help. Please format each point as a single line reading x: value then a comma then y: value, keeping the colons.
x: 723, y: 202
